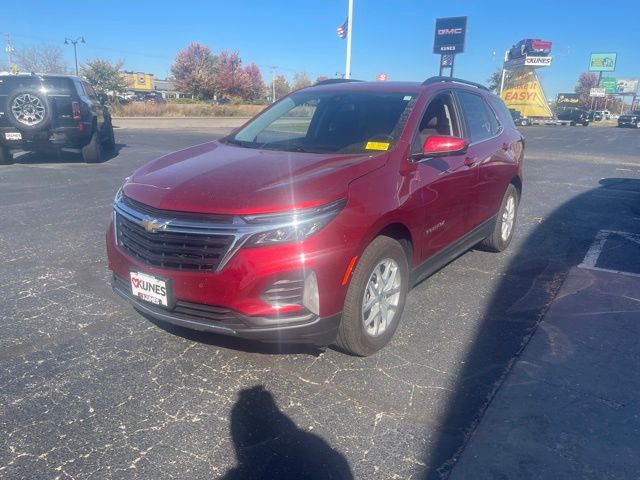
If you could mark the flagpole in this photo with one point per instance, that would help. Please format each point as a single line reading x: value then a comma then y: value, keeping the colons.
x: 349, y: 29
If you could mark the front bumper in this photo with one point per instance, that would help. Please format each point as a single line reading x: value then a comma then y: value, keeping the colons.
x: 305, y: 328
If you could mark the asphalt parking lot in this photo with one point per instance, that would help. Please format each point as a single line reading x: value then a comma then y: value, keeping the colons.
x: 91, y: 389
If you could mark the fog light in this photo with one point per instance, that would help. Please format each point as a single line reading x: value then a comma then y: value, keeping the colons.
x: 311, y: 295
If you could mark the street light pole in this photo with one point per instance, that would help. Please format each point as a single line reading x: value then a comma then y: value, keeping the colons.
x: 68, y: 41
x: 349, y: 28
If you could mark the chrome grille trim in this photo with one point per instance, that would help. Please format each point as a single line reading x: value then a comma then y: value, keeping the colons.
x: 238, y: 228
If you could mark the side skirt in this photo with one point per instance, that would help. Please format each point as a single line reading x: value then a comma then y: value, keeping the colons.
x: 453, y: 251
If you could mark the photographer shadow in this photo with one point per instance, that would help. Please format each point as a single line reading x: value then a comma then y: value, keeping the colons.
x: 269, y: 445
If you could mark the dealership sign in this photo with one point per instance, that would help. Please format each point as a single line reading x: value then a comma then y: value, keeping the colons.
x: 602, y: 62
x: 450, y: 35
x: 528, y: 61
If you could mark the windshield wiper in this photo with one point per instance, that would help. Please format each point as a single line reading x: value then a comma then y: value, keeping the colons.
x: 233, y: 141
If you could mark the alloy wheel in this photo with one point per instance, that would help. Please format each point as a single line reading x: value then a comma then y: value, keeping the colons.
x: 381, y: 297
x: 28, y: 109
x: 508, y: 217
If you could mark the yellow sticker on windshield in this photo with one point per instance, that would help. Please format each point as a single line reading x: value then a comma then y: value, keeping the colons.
x: 377, y: 146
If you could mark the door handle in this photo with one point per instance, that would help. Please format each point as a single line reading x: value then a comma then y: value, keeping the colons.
x: 470, y: 161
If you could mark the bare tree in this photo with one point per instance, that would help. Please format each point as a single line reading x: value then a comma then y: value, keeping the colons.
x: 41, y: 59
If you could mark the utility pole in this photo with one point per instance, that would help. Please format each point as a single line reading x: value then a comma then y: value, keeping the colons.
x: 9, y: 49
x: 349, y: 29
x: 504, y: 72
x: 273, y: 83
x: 68, y: 41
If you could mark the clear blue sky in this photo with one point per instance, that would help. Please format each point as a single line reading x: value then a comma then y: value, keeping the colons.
x: 393, y: 37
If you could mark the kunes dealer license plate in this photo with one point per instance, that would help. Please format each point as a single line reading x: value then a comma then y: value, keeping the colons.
x: 149, y: 288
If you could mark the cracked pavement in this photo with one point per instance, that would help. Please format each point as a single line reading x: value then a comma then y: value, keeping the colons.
x: 91, y: 389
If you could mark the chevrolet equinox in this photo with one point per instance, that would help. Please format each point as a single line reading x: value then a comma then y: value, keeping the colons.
x: 312, y: 221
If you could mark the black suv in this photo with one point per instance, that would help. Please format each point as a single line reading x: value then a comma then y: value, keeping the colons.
x: 58, y: 113
x: 573, y: 115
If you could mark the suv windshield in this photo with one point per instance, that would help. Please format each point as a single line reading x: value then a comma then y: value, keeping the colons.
x: 329, y: 122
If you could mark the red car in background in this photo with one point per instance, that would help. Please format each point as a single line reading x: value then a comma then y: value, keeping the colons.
x: 533, y: 47
x: 312, y: 221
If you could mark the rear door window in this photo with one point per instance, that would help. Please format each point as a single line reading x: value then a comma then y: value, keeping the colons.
x: 480, y: 119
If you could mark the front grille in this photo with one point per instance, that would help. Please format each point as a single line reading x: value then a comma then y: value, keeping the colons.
x: 172, y: 250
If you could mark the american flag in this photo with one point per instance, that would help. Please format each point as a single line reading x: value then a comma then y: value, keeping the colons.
x: 342, y: 29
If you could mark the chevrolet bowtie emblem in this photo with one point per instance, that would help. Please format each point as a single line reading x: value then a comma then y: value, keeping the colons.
x: 152, y: 225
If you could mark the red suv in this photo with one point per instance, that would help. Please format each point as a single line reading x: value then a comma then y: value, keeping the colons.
x: 312, y: 221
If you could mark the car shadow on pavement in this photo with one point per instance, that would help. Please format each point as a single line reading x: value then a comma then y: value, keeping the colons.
x: 520, y: 300
x: 269, y: 445
x: 234, y: 343
x: 39, y: 158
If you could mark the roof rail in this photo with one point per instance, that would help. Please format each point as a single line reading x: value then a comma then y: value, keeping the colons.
x: 432, y: 80
x: 329, y: 81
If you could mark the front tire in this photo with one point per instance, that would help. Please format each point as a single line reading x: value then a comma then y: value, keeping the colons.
x: 502, y: 234
x: 92, y: 152
x: 375, y: 299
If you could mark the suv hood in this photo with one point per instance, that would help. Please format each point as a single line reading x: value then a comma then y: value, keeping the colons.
x: 225, y: 179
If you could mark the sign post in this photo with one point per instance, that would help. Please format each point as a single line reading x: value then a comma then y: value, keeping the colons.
x: 449, y: 40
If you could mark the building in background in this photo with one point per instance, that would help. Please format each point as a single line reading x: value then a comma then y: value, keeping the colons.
x: 143, y: 83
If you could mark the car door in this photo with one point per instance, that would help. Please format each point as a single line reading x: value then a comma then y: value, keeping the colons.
x: 488, y: 155
x: 443, y: 182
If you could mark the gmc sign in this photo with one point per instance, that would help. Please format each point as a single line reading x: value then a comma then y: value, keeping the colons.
x: 450, y: 35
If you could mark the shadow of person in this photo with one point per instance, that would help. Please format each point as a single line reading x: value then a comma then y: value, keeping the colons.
x: 270, y: 446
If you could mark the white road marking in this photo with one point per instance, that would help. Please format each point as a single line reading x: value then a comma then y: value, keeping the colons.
x: 592, y: 255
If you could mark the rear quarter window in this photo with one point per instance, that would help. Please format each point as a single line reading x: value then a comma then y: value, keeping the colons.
x: 52, y: 85
x: 502, y: 110
x: 480, y: 119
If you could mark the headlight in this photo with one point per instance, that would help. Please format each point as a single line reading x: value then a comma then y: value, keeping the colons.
x: 292, y: 226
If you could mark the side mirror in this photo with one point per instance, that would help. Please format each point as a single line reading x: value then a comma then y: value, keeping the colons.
x: 442, y: 146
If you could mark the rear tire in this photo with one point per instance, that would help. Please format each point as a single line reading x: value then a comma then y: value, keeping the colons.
x: 502, y: 234
x: 92, y: 152
x: 375, y: 299
x: 5, y: 156
x: 109, y: 142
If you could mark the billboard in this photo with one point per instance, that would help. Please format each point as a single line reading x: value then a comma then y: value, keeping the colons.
x: 523, y: 92
x: 602, y: 62
x: 450, y: 35
x: 627, y: 85
x: 568, y: 99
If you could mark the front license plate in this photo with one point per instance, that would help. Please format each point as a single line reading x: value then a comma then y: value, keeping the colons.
x: 150, y: 289
x: 13, y: 136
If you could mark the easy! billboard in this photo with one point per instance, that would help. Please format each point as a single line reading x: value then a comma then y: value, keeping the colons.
x: 602, y: 62
x: 450, y: 35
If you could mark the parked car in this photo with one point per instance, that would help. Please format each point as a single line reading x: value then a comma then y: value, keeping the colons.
x: 630, y: 119
x: 573, y: 115
x: 595, y: 116
x: 312, y: 221
x: 52, y: 113
x: 155, y: 98
x: 530, y: 46
x: 518, y: 118
x: 606, y: 114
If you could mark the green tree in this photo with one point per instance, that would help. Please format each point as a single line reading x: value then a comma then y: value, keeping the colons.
x: 104, y: 76
x: 493, y: 82
x: 282, y: 86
